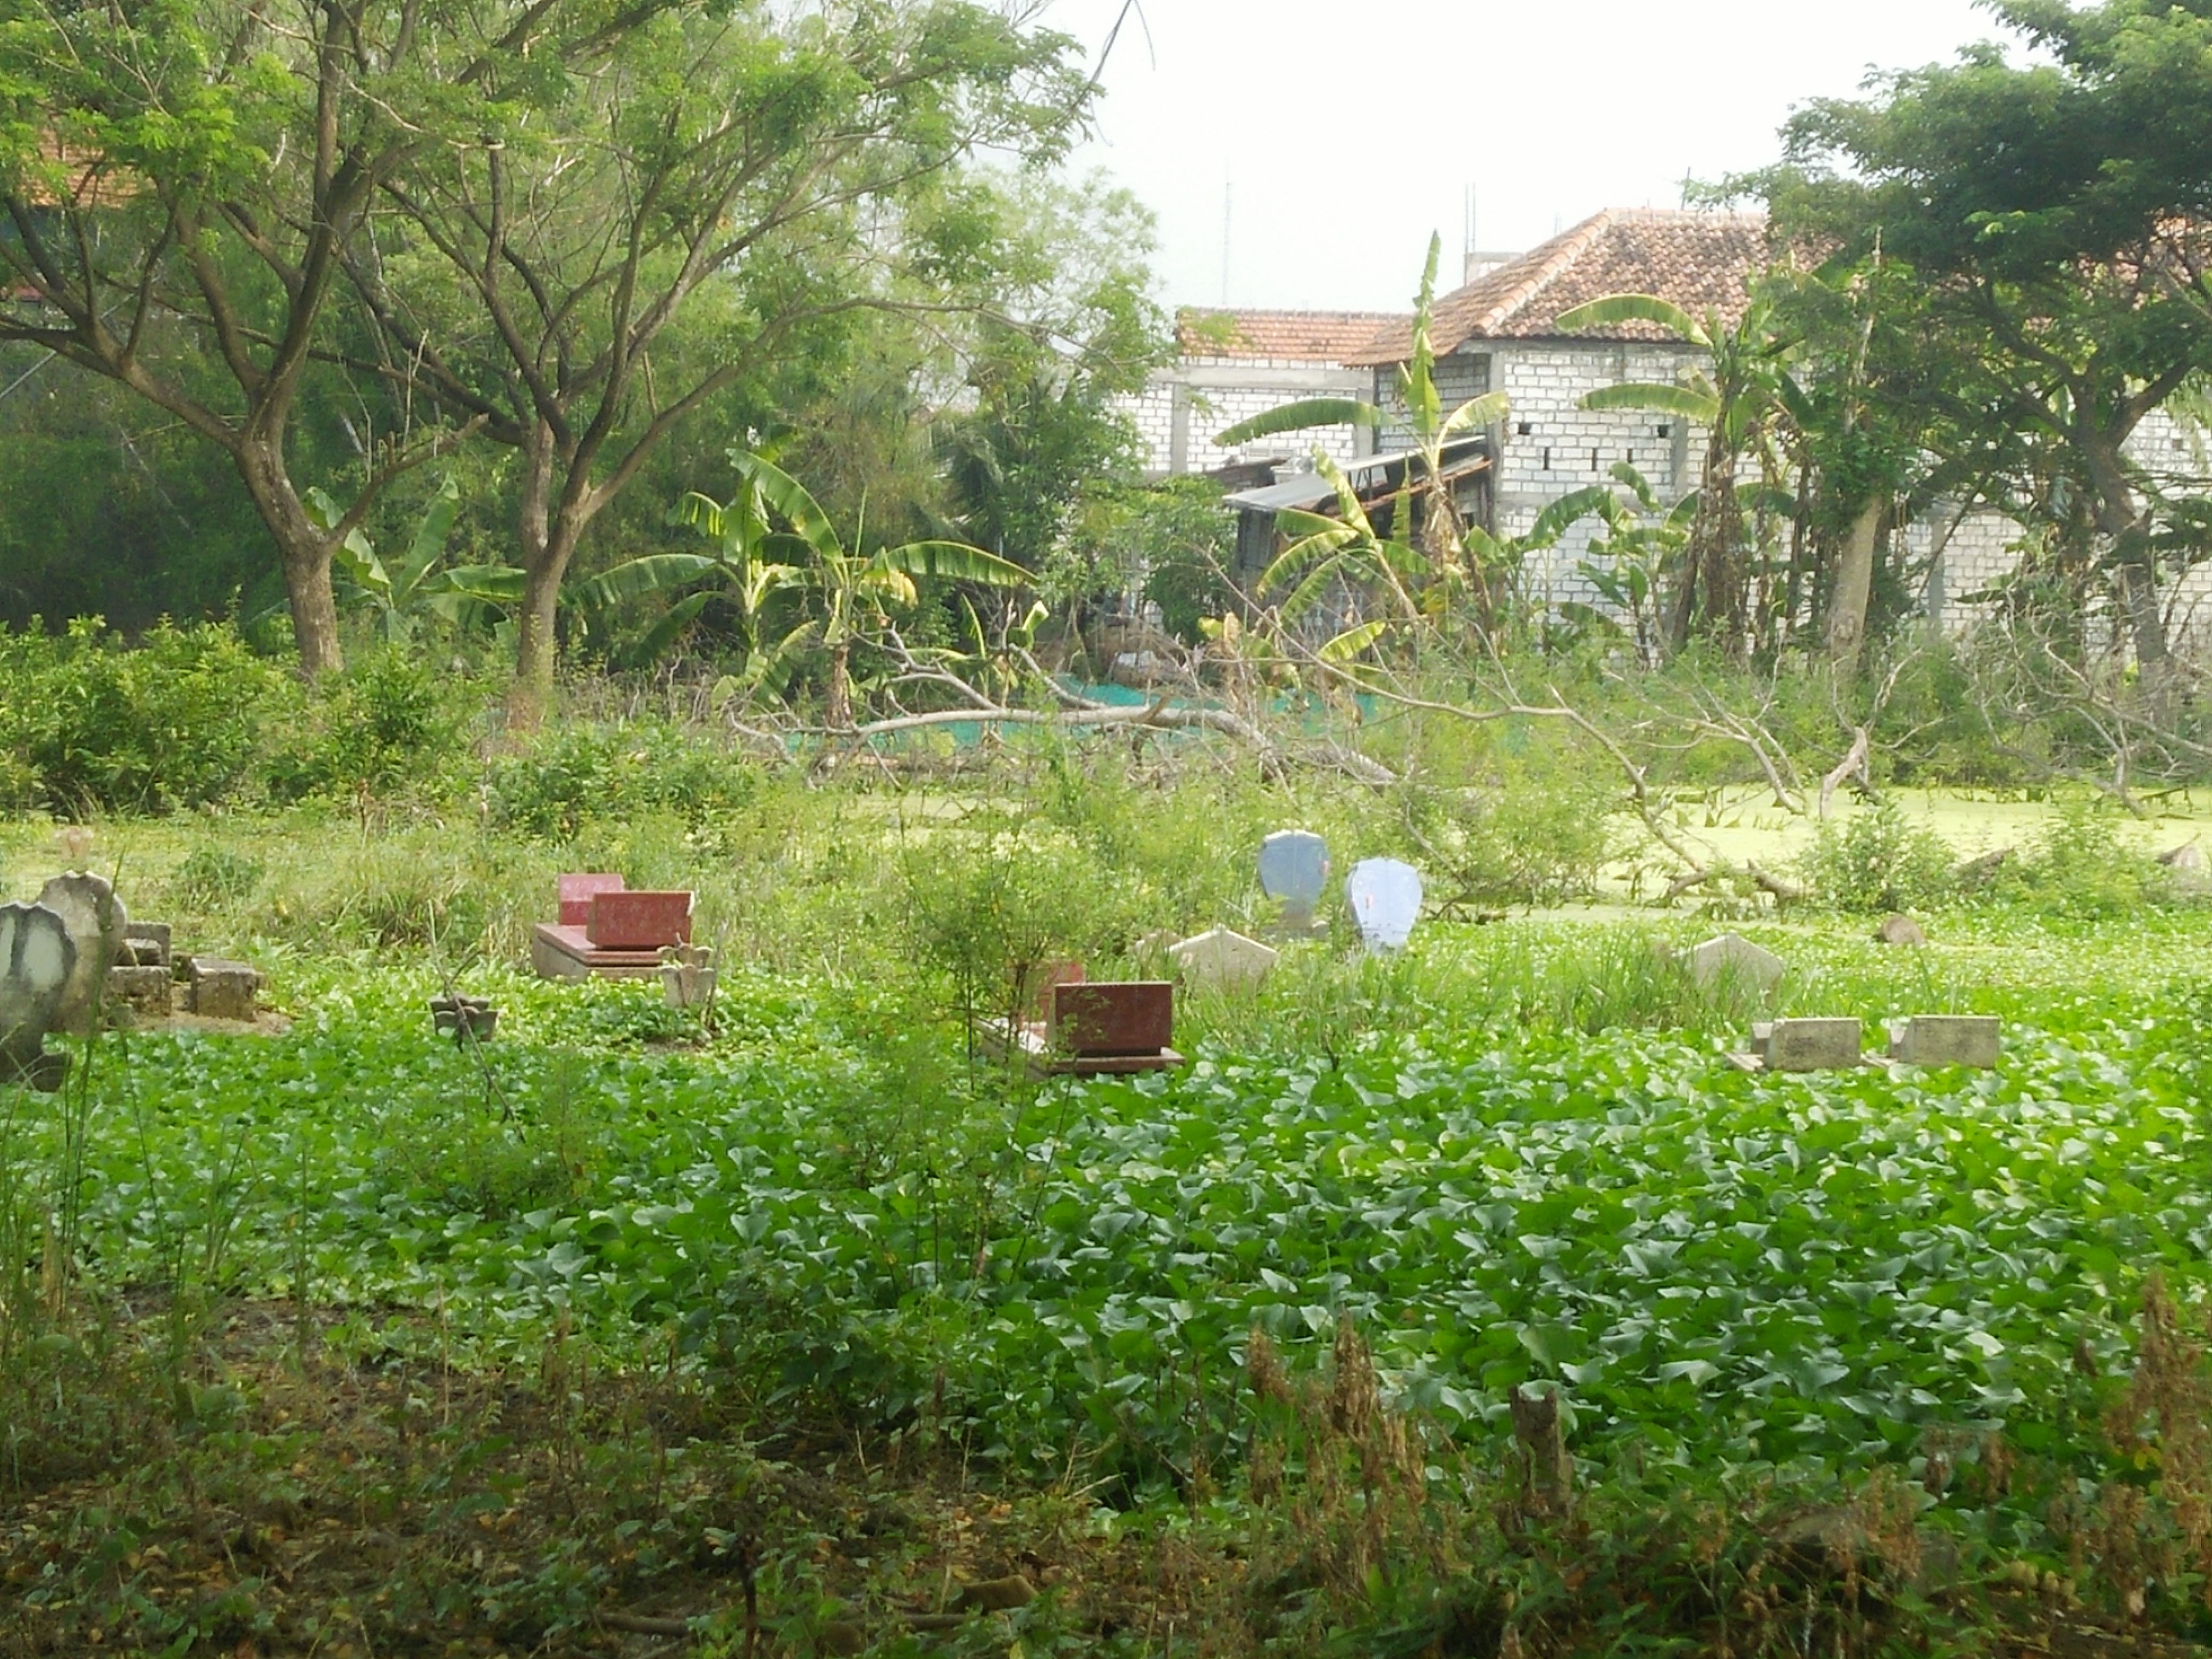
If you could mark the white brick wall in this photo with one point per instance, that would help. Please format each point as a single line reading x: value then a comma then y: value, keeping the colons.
x: 1180, y: 410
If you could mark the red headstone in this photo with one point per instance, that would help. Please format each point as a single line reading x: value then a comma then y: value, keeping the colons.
x: 1134, y: 1016
x: 577, y: 893
x: 625, y: 920
x: 1050, y: 978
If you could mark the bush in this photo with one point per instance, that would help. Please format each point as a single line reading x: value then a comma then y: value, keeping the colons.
x: 2077, y: 866
x: 575, y: 775
x: 391, y: 723
x: 1878, y: 859
x: 91, y: 725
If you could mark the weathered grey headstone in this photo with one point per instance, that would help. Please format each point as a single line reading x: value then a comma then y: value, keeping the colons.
x: 1806, y: 1045
x: 1223, y: 960
x: 223, y: 990
x: 1384, y: 896
x: 37, y: 958
x: 1946, y: 1040
x: 1732, y: 958
x: 687, y: 975
x: 95, y: 917
x: 1294, y: 871
x: 140, y: 991
x: 1899, y: 930
x: 145, y: 945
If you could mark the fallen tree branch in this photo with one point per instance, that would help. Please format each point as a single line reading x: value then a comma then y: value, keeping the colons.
x: 1855, y: 760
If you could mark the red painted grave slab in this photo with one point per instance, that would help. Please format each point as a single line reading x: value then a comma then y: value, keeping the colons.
x: 1109, y: 1020
x: 577, y: 893
x: 629, y: 920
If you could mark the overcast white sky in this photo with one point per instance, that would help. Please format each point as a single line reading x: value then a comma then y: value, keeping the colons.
x: 1344, y: 132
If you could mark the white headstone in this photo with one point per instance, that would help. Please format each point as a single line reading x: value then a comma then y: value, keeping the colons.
x: 1385, y: 898
x: 1294, y: 871
x: 88, y: 907
x: 37, y: 958
x: 1731, y: 956
x: 1223, y: 960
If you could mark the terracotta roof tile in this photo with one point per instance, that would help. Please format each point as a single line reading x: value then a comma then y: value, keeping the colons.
x: 1700, y: 261
x: 1314, y: 336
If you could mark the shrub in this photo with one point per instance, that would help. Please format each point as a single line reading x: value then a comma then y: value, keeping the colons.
x: 214, y: 878
x: 392, y: 722
x: 2077, y: 866
x: 96, y: 726
x: 574, y: 774
x: 1879, y: 859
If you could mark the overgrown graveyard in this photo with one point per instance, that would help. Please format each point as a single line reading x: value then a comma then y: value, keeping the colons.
x: 789, y: 1321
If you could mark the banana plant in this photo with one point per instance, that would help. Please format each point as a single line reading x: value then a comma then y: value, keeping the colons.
x: 400, y: 596
x: 1426, y: 580
x: 1741, y: 400
x: 853, y: 592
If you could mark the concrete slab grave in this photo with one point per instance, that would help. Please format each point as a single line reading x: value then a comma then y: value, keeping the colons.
x: 1221, y: 959
x: 37, y: 959
x: 1094, y: 1027
x: 617, y: 932
x: 219, y: 989
x: 1384, y: 896
x: 1802, y: 1045
x: 1975, y: 1040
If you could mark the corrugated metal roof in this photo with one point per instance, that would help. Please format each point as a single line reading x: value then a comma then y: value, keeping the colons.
x: 1699, y: 261
x: 1372, y: 477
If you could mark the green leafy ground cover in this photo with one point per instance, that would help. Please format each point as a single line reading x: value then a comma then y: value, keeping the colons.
x: 1516, y: 1155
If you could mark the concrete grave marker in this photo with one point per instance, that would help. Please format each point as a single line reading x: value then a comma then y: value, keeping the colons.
x: 1223, y: 960
x: 1294, y: 871
x: 1731, y: 956
x: 687, y: 975
x: 1946, y: 1040
x: 1384, y: 896
x: 223, y: 990
x: 97, y: 925
x: 37, y: 959
x: 1806, y: 1045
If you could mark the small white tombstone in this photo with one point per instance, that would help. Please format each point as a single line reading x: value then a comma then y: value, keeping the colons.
x: 1222, y: 960
x: 95, y: 917
x: 687, y: 975
x: 1384, y: 896
x: 1731, y: 956
x: 1294, y: 871
x: 37, y: 958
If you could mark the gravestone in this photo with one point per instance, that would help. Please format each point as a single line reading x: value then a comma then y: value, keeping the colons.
x: 1946, y: 1040
x: 687, y: 975
x: 93, y: 914
x: 1731, y: 956
x: 223, y: 990
x: 464, y: 1018
x: 145, y: 945
x: 1384, y: 896
x: 1223, y: 960
x: 37, y: 958
x: 1899, y: 930
x: 1806, y: 1045
x: 140, y: 992
x: 1294, y: 873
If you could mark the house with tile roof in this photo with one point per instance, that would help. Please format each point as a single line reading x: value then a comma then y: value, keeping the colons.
x: 1232, y: 365
x: 1501, y: 330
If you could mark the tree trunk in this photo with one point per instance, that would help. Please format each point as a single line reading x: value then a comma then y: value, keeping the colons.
x: 838, y: 715
x: 1847, y: 608
x: 2134, y: 564
x: 303, y: 552
x: 1709, y: 599
x: 547, y: 540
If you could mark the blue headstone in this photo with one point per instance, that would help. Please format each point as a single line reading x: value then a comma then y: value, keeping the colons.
x: 1385, y: 898
x: 1294, y: 870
